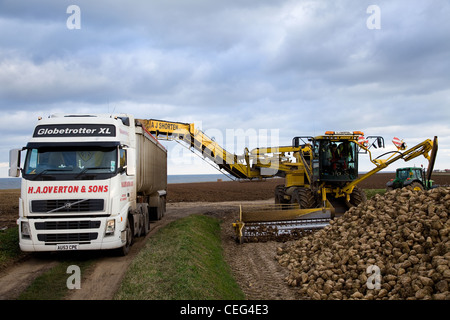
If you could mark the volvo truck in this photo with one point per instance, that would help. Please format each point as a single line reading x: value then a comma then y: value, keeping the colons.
x: 89, y: 182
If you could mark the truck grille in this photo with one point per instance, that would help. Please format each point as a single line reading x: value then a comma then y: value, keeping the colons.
x: 68, y: 237
x: 64, y: 225
x: 67, y: 205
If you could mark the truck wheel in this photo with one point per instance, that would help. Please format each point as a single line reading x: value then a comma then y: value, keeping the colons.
x: 146, y: 221
x: 141, y: 216
x: 157, y: 212
x: 163, y: 206
x: 417, y: 186
x: 160, y: 210
x: 129, y: 241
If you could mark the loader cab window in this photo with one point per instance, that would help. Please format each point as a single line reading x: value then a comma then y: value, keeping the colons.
x: 338, y: 160
x: 70, y: 162
x: 316, y: 161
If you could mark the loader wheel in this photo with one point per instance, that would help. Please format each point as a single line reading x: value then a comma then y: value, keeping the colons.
x: 356, y: 197
x: 304, y: 197
x: 279, y: 194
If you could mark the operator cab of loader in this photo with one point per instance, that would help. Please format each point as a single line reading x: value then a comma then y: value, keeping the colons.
x: 334, y: 156
x: 338, y: 160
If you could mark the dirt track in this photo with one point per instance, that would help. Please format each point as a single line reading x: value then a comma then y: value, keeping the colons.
x: 253, y: 264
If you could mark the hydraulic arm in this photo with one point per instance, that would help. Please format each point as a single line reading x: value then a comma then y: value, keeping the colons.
x: 426, y: 148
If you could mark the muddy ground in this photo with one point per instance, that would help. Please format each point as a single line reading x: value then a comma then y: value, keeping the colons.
x: 253, y: 264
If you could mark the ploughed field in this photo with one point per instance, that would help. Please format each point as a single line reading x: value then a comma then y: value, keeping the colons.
x: 208, y: 192
x: 259, y: 190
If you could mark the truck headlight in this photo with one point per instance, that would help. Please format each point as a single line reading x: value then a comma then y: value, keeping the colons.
x: 25, y: 230
x: 110, y: 227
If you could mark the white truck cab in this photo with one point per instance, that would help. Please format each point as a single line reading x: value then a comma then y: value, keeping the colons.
x: 88, y: 182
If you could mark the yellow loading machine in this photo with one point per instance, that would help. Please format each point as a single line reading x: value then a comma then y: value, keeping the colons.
x: 321, y: 175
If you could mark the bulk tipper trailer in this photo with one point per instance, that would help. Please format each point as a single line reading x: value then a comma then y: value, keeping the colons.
x: 89, y: 182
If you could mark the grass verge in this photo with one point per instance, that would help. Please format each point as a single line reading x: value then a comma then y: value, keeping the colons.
x: 183, y: 261
x: 9, y: 247
x: 52, y: 285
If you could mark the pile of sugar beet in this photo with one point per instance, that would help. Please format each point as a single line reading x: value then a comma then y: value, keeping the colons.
x: 394, y: 246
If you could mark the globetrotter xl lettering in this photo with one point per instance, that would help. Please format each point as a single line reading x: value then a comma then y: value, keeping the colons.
x: 74, y: 130
x: 67, y: 189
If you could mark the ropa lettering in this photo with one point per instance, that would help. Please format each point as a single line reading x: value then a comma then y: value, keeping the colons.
x: 164, y: 126
x: 168, y: 126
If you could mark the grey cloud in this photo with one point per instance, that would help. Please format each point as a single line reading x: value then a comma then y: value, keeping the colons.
x: 301, y: 66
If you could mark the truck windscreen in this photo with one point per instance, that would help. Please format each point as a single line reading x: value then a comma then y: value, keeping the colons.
x: 70, y: 162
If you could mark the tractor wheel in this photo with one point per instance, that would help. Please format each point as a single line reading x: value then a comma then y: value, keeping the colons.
x: 417, y: 186
x: 304, y: 197
x: 356, y: 197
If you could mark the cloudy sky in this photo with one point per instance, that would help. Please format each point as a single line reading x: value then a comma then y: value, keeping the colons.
x: 265, y: 70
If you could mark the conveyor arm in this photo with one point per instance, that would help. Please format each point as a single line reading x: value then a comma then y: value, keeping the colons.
x: 238, y: 167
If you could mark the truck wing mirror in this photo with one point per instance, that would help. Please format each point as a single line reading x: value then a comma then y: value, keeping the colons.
x: 14, y: 162
x: 131, y: 162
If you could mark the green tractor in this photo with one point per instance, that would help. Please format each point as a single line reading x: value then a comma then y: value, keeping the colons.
x: 410, y: 176
x: 417, y: 178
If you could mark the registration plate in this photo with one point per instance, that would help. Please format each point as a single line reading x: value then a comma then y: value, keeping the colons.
x: 66, y: 247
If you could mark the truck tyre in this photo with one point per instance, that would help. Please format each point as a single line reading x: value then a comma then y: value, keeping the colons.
x: 163, y: 205
x: 141, y: 223
x: 146, y: 220
x: 129, y: 241
x: 160, y: 210
x: 157, y: 212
